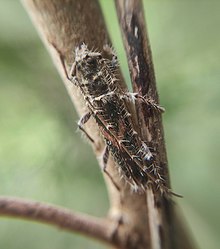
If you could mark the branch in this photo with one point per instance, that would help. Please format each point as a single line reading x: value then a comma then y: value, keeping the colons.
x: 65, y: 24
x: 97, y: 228
x: 137, y: 47
x: 62, y: 25
x: 166, y: 227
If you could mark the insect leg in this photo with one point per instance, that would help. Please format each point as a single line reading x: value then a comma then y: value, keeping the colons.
x: 72, y: 76
x: 149, y: 102
x: 110, y: 51
x: 119, y: 218
x: 153, y: 105
x: 73, y: 71
x: 62, y: 59
x: 105, y: 158
x: 82, y: 121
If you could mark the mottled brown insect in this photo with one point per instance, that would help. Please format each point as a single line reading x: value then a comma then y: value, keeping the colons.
x: 106, y: 101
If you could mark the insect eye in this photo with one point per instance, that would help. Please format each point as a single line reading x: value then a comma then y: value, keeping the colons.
x: 78, y: 66
x: 91, y: 60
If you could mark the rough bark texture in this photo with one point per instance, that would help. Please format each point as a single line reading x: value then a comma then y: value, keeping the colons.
x: 161, y: 211
x: 135, y: 220
x: 138, y: 51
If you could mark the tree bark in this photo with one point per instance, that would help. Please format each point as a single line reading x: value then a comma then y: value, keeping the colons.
x: 162, y: 212
x: 57, y: 216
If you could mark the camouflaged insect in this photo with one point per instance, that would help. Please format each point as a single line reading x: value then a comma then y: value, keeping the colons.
x: 106, y: 101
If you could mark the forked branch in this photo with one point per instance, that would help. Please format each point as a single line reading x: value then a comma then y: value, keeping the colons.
x: 142, y: 221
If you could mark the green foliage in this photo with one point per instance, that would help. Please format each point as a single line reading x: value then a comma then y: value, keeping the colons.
x: 41, y: 154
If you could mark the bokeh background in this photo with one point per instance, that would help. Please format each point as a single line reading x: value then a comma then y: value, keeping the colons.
x: 42, y: 157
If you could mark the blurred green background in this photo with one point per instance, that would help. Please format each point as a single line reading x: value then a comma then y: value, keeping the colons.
x: 41, y: 152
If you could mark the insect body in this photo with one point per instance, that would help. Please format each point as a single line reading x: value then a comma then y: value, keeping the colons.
x: 95, y: 76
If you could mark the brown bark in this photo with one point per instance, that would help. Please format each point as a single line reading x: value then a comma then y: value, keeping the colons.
x: 56, y: 216
x: 131, y: 19
x: 161, y: 211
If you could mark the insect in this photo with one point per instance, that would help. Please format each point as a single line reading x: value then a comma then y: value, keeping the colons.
x: 107, y: 104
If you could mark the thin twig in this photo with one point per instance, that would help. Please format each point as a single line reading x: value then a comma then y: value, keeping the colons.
x: 97, y: 228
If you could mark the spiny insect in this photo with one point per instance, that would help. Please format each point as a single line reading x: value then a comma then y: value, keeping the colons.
x: 95, y: 76
x: 107, y: 103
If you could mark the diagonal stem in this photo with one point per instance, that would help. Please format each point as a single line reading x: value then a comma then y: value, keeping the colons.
x: 162, y: 215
